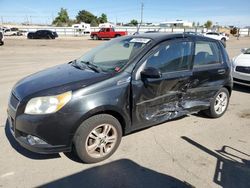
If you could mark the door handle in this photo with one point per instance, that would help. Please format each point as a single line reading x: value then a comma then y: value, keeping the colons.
x: 221, y: 71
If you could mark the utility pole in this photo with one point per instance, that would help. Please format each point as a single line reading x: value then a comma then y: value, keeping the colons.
x: 142, y: 7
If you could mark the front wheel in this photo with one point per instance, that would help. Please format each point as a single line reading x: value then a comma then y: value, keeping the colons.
x: 219, y: 104
x: 97, y: 138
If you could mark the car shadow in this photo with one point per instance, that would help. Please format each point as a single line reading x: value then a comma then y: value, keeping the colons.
x: 241, y: 88
x: 24, y: 151
x: 118, y: 174
x: 232, y: 167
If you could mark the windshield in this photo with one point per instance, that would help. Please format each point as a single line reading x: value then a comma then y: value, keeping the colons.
x: 247, y: 51
x: 114, y: 55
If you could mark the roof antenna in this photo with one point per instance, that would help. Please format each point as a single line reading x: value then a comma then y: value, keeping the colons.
x: 142, y: 7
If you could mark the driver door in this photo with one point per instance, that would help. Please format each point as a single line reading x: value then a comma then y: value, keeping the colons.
x: 156, y: 100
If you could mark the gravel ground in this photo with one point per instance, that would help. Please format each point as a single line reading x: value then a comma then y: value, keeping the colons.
x: 191, y: 151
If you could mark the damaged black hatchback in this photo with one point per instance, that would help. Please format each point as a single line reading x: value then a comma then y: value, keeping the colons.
x: 126, y: 84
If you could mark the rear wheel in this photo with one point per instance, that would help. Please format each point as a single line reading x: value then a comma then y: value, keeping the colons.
x: 95, y: 37
x: 97, y: 138
x: 219, y: 104
x: 118, y: 35
x: 223, y: 39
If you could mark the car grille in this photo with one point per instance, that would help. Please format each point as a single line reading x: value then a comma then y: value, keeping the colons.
x: 241, y: 81
x: 14, y: 101
x: 243, y: 69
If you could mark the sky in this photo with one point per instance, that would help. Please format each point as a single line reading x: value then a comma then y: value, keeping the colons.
x: 223, y: 12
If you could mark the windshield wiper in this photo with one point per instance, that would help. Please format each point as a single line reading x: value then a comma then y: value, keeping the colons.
x: 92, y: 66
x: 78, y: 65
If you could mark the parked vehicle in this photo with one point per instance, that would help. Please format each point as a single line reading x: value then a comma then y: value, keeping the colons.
x: 106, y: 25
x: 241, y: 68
x: 1, y: 38
x: 42, y: 34
x: 12, y: 32
x: 82, y: 28
x: 217, y: 36
x: 126, y: 84
x: 107, y: 33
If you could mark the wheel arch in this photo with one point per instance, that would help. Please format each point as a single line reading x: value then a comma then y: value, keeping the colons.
x: 229, y: 89
x: 121, y: 117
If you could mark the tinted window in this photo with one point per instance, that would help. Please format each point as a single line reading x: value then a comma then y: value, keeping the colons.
x: 206, y: 53
x: 171, y: 57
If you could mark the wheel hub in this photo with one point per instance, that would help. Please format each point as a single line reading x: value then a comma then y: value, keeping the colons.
x: 101, y: 140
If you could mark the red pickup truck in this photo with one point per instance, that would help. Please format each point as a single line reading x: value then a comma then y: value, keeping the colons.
x: 107, y: 33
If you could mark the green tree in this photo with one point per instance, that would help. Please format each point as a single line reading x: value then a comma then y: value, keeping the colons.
x: 133, y: 22
x: 62, y: 19
x: 94, y: 23
x: 85, y: 16
x: 208, y: 24
x: 103, y: 18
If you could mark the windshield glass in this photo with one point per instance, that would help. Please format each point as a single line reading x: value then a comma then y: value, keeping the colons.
x: 114, y: 55
x: 247, y: 51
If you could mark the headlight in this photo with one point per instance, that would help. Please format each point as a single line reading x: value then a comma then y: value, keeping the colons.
x: 48, y: 104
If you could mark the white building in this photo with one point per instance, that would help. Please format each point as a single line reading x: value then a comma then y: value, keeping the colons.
x: 177, y: 23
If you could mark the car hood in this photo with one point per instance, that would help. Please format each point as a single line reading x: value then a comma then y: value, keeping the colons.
x: 57, y: 80
x: 242, y: 60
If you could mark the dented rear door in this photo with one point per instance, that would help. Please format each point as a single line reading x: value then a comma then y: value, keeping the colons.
x: 157, y: 100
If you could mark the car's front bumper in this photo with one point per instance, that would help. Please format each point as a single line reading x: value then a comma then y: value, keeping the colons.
x: 55, y: 131
x: 45, y: 148
x: 241, y: 78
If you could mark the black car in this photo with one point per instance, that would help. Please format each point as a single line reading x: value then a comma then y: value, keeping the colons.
x: 126, y: 84
x: 42, y: 34
x: 1, y: 38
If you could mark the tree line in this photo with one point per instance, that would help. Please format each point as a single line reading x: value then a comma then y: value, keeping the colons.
x: 85, y: 16
x: 63, y: 19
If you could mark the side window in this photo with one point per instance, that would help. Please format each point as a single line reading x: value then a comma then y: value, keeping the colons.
x: 107, y: 30
x: 170, y: 57
x: 206, y: 53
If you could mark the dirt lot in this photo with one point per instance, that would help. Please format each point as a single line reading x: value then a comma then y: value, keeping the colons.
x: 193, y: 150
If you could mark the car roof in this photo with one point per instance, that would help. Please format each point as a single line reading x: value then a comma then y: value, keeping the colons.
x: 158, y: 37
x: 44, y: 30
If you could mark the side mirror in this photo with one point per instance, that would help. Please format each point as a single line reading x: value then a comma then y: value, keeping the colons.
x: 126, y: 45
x: 243, y: 50
x: 151, y: 72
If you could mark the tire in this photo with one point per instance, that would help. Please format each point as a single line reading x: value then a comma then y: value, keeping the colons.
x: 223, y: 39
x: 1, y: 43
x: 97, y: 138
x: 219, y: 104
x: 117, y: 36
x: 95, y: 37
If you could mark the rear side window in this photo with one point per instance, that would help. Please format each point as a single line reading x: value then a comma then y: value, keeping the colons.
x: 206, y: 53
x: 171, y: 57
